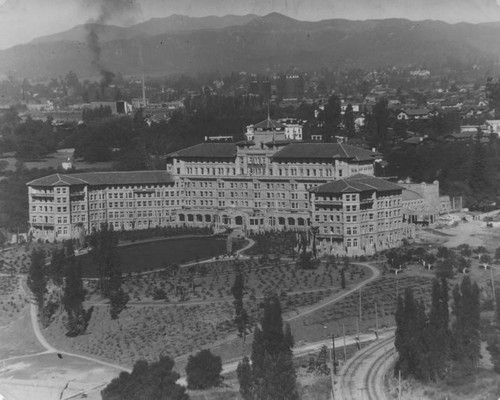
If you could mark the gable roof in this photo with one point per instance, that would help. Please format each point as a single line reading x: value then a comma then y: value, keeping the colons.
x: 104, y: 178
x: 357, y: 184
x: 269, y: 124
x: 416, y: 112
x: 409, y: 195
x: 207, y: 150
x: 324, y: 151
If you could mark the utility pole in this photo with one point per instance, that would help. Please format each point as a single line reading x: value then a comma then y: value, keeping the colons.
x: 493, y: 287
x: 334, y: 357
x: 360, y: 304
x: 345, y: 350
x: 376, y: 320
x: 333, y: 370
x: 399, y: 385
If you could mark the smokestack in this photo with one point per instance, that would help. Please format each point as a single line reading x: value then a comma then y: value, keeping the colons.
x: 143, y: 91
x: 141, y: 60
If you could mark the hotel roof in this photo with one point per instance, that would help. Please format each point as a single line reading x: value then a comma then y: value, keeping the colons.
x: 324, y: 151
x: 293, y: 150
x: 357, y: 184
x: 207, y: 150
x: 104, y: 178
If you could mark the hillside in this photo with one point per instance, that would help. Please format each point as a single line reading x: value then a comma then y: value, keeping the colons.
x: 255, y: 44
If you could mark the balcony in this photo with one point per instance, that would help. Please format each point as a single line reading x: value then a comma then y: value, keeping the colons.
x: 42, y: 195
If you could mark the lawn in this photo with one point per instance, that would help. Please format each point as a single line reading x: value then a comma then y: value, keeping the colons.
x: 147, y: 256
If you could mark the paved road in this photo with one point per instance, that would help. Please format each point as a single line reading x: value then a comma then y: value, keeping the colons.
x: 49, y: 349
x: 304, y: 349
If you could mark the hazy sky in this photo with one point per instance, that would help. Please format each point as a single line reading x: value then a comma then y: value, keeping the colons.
x: 23, y: 20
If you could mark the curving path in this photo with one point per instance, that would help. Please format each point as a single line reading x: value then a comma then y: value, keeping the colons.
x: 28, y: 386
x: 376, y: 274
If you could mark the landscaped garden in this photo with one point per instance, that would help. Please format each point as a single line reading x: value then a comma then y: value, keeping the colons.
x: 184, y: 320
x: 212, y: 281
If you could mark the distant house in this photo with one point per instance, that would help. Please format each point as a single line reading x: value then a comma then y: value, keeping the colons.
x: 414, y: 140
x: 355, y: 107
x: 469, y: 133
x: 451, y: 105
x: 414, y: 114
x: 493, y: 126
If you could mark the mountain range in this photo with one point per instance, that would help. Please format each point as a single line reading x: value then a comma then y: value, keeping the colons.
x: 180, y: 44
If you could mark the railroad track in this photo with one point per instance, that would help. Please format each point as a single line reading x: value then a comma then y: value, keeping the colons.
x: 361, y: 378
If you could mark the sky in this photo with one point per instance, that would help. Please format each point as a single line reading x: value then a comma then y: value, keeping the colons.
x: 24, y: 20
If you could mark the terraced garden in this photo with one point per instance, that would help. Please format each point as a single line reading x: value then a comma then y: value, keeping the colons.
x: 212, y: 281
x: 201, y: 314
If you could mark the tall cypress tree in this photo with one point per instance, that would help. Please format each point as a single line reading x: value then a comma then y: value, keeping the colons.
x: 438, y: 333
x: 273, y: 374
x: 74, y: 295
x: 37, y: 280
x: 241, y: 316
x: 104, y: 252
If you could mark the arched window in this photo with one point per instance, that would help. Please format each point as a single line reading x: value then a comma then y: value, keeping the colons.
x: 300, y: 221
x: 190, y: 217
x: 291, y: 221
x: 208, y: 218
x: 281, y: 221
x: 182, y: 217
x: 239, y: 220
x: 272, y: 221
x: 199, y: 218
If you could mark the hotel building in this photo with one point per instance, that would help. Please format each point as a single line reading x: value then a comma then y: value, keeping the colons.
x: 267, y: 182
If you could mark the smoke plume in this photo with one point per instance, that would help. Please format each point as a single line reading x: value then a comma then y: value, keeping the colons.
x: 108, y: 10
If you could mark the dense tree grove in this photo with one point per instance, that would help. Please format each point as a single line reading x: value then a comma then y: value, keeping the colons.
x: 147, y: 381
x: 14, y: 198
x: 429, y: 346
x: 470, y: 169
x: 272, y: 374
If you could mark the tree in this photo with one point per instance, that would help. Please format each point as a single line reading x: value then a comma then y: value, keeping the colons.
x: 74, y: 295
x: 273, y: 374
x: 244, y: 373
x: 203, y: 370
x: 155, y: 381
x: 349, y: 120
x: 104, y: 253
x: 241, y: 316
x: 439, y: 333
x: 444, y: 269
x: 466, y: 326
x: 37, y: 281
x: 56, y: 268
x: 378, y: 124
x: 342, y: 278
x: 331, y: 114
x: 118, y: 300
